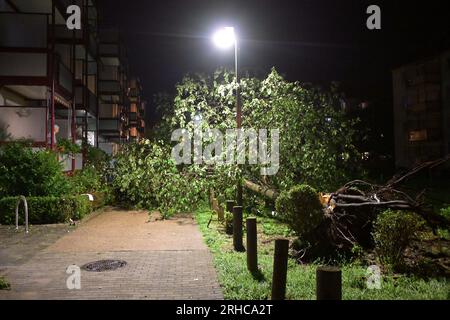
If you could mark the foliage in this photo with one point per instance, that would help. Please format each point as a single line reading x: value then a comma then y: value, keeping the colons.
x: 145, y: 176
x: 46, y: 210
x: 98, y: 159
x: 30, y: 173
x: 300, y: 207
x: 445, y: 212
x: 316, y: 139
x: 392, y: 232
x: 228, y: 223
x: 239, y: 284
x: 87, y: 180
x: 66, y: 146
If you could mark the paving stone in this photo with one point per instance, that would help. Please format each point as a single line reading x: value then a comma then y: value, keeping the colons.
x: 165, y: 260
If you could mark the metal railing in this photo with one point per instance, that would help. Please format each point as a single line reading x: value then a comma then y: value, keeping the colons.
x: 24, y: 200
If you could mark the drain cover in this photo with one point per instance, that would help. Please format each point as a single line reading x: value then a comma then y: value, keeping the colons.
x: 104, y: 265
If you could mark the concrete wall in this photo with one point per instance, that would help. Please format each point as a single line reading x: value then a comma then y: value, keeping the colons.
x: 23, y: 123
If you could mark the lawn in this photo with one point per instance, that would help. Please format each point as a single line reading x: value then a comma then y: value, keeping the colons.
x: 4, y: 285
x: 238, y: 283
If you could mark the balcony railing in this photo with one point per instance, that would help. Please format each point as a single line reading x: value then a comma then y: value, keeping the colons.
x: 23, y: 39
x: 109, y: 125
x: 23, y: 30
x: 65, y: 77
x: 109, y: 87
x: 109, y: 73
x: 86, y: 100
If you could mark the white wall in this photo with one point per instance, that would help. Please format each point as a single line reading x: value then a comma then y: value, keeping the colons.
x: 23, y: 123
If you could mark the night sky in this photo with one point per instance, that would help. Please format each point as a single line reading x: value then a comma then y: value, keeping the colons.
x: 308, y: 40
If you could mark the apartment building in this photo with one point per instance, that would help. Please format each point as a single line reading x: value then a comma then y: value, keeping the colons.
x: 421, y: 93
x: 113, y: 89
x: 136, y: 116
x: 61, y: 84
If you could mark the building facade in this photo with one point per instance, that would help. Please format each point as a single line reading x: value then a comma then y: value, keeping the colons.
x: 421, y: 92
x: 57, y: 83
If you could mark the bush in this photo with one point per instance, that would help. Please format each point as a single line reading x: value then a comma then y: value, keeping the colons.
x: 87, y: 180
x: 97, y: 158
x: 445, y: 212
x: 392, y: 232
x: 30, y: 173
x: 45, y: 210
x: 300, y: 207
x: 66, y: 146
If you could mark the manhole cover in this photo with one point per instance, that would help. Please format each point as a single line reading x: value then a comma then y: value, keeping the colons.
x: 104, y: 265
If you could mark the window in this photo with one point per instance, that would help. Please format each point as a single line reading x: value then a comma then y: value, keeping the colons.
x: 418, y: 135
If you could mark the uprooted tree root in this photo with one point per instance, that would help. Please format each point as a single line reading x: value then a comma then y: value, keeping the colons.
x: 352, y: 209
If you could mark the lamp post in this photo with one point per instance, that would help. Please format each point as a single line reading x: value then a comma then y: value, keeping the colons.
x: 225, y: 38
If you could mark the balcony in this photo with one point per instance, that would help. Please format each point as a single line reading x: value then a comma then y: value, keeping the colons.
x: 24, y: 56
x: 24, y: 53
x: 133, y: 132
x: 110, y: 127
x: 86, y: 100
x: 65, y: 78
x: 110, y: 50
x: 109, y: 87
x: 132, y: 117
x: 108, y: 111
x: 110, y: 84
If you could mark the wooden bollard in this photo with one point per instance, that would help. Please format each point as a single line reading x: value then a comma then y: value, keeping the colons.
x: 280, y: 261
x: 211, y: 198
x: 237, y: 228
x: 229, y: 206
x: 215, y: 205
x: 217, y: 209
x: 252, y: 248
x: 220, y: 214
x: 328, y: 283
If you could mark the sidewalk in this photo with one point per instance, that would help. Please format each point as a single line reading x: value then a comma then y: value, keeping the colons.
x: 165, y: 260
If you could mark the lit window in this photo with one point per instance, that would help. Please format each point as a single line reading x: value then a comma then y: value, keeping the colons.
x: 418, y: 135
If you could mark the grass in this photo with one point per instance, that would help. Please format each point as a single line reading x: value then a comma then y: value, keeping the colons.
x: 4, y: 285
x: 238, y: 284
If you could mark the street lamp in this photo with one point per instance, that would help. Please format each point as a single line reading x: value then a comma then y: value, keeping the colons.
x: 225, y: 38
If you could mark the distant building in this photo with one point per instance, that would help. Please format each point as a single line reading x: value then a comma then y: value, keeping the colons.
x: 136, y: 115
x: 61, y: 84
x: 421, y: 93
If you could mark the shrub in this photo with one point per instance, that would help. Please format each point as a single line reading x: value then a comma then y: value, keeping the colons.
x: 445, y: 212
x: 97, y: 158
x: 30, y: 173
x: 300, y: 207
x: 65, y: 146
x: 392, y: 232
x: 87, y: 180
x: 45, y: 210
x: 4, y: 285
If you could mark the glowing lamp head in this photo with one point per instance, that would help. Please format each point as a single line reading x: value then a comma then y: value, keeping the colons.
x: 225, y: 38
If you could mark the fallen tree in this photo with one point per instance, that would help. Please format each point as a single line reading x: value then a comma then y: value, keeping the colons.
x: 350, y: 211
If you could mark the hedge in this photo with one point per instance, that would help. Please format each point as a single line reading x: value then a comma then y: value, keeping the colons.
x: 45, y: 210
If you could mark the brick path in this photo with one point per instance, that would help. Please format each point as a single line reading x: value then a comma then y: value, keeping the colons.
x: 165, y: 260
